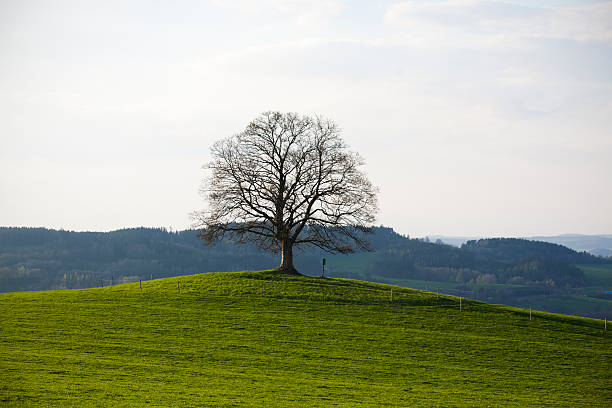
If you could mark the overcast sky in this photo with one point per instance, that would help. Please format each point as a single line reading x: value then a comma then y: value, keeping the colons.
x: 484, y: 118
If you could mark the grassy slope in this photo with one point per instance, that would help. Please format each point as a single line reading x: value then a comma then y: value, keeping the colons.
x: 220, y: 342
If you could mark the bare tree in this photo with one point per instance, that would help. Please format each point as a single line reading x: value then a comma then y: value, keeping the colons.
x: 288, y: 181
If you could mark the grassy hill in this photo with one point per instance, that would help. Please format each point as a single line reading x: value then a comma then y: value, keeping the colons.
x: 263, y: 339
x: 509, y: 271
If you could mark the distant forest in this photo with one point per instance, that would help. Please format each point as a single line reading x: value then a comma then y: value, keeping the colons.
x: 42, y: 259
x: 487, y: 261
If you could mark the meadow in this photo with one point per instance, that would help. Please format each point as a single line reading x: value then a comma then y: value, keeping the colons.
x: 266, y: 339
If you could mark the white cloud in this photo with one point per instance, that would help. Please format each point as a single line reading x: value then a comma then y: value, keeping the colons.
x: 480, y: 20
x: 303, y: 11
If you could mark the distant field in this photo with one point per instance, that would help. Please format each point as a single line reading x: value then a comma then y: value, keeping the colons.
x: 262, y: 339
x: 598, y: 276
x: 583, y: 301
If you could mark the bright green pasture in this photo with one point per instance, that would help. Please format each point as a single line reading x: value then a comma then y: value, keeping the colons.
x: 264, y: 339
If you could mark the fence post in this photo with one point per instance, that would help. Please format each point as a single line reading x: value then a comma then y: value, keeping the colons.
x: 140, y: 281
x: 606, y: 323
x: 178, y: 285
x: 460, y: 307
x: 391, y: 294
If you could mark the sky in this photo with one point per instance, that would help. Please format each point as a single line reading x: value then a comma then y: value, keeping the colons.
x: 475, y: 118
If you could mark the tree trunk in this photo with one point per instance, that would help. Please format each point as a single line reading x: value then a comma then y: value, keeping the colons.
x: 287, y: 257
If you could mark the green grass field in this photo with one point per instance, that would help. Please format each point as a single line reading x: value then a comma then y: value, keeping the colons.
x: 264, y: 339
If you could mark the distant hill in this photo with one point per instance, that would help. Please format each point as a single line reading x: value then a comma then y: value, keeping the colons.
x: 493, y: 260
x: 599, y: 245
x: 451, y: 240
x: 514, y: 249
x: 42, y: 259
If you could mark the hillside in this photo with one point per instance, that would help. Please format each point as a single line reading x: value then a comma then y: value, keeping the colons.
x: 599, y: 245
x: 262, y: 339
x: 513, y: 249
x: 511, y: 271
x: 42, y: 259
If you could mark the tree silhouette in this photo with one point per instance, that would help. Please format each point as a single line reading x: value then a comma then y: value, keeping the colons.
x: 287, y: 181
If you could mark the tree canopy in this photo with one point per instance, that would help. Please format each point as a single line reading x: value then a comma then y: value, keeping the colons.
x: 285, y: 181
